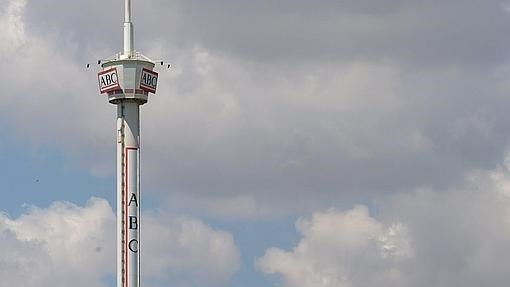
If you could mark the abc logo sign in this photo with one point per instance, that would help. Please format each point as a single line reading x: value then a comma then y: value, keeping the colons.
x: 108, y: 80
x: 149, y: 81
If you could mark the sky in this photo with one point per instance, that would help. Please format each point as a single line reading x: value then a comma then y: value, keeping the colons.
x: 293, y: 143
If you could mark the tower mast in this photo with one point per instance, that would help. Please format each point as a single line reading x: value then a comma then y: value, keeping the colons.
x: 129, y: 39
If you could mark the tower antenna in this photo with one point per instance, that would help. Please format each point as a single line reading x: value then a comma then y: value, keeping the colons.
x: 129, y: 38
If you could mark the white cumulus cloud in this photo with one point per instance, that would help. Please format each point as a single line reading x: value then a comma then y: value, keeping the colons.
x: 70, y: 245
x: 458, y: 236
x: 63, y: 245
x: 340, y: 249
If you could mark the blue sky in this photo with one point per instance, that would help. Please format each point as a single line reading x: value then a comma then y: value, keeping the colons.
x: 38, y: 175
x: 293, y: 143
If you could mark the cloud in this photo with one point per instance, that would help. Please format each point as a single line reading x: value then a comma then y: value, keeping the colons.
x: 453, y: 237
x: 334, y: 130
x: 41, y: 76
x: 59, y: 246
x: 12, y: 26
x: 419, y: 33
x: 66, y: 244
x: 341, y: 249
x: 411, y: 97
x: 460, y: 236
x: 187, y: 250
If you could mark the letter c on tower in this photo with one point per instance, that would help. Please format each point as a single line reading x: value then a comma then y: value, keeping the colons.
x: 133, y: 246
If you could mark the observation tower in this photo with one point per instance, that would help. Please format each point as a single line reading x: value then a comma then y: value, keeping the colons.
x: 128, y: 79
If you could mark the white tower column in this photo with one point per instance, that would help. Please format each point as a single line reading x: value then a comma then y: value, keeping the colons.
x: 128, y: 194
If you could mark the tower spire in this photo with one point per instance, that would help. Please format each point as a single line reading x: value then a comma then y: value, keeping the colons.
x: 129, y: 39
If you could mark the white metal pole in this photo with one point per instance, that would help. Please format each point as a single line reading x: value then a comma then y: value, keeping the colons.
x: 127, y: 11
x: 128, y: 31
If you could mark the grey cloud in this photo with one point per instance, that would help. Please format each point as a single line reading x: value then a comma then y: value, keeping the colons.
x: 432, y: 32
x: 361, y: 127
x: 417, y: 32
x: 228, y: 121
